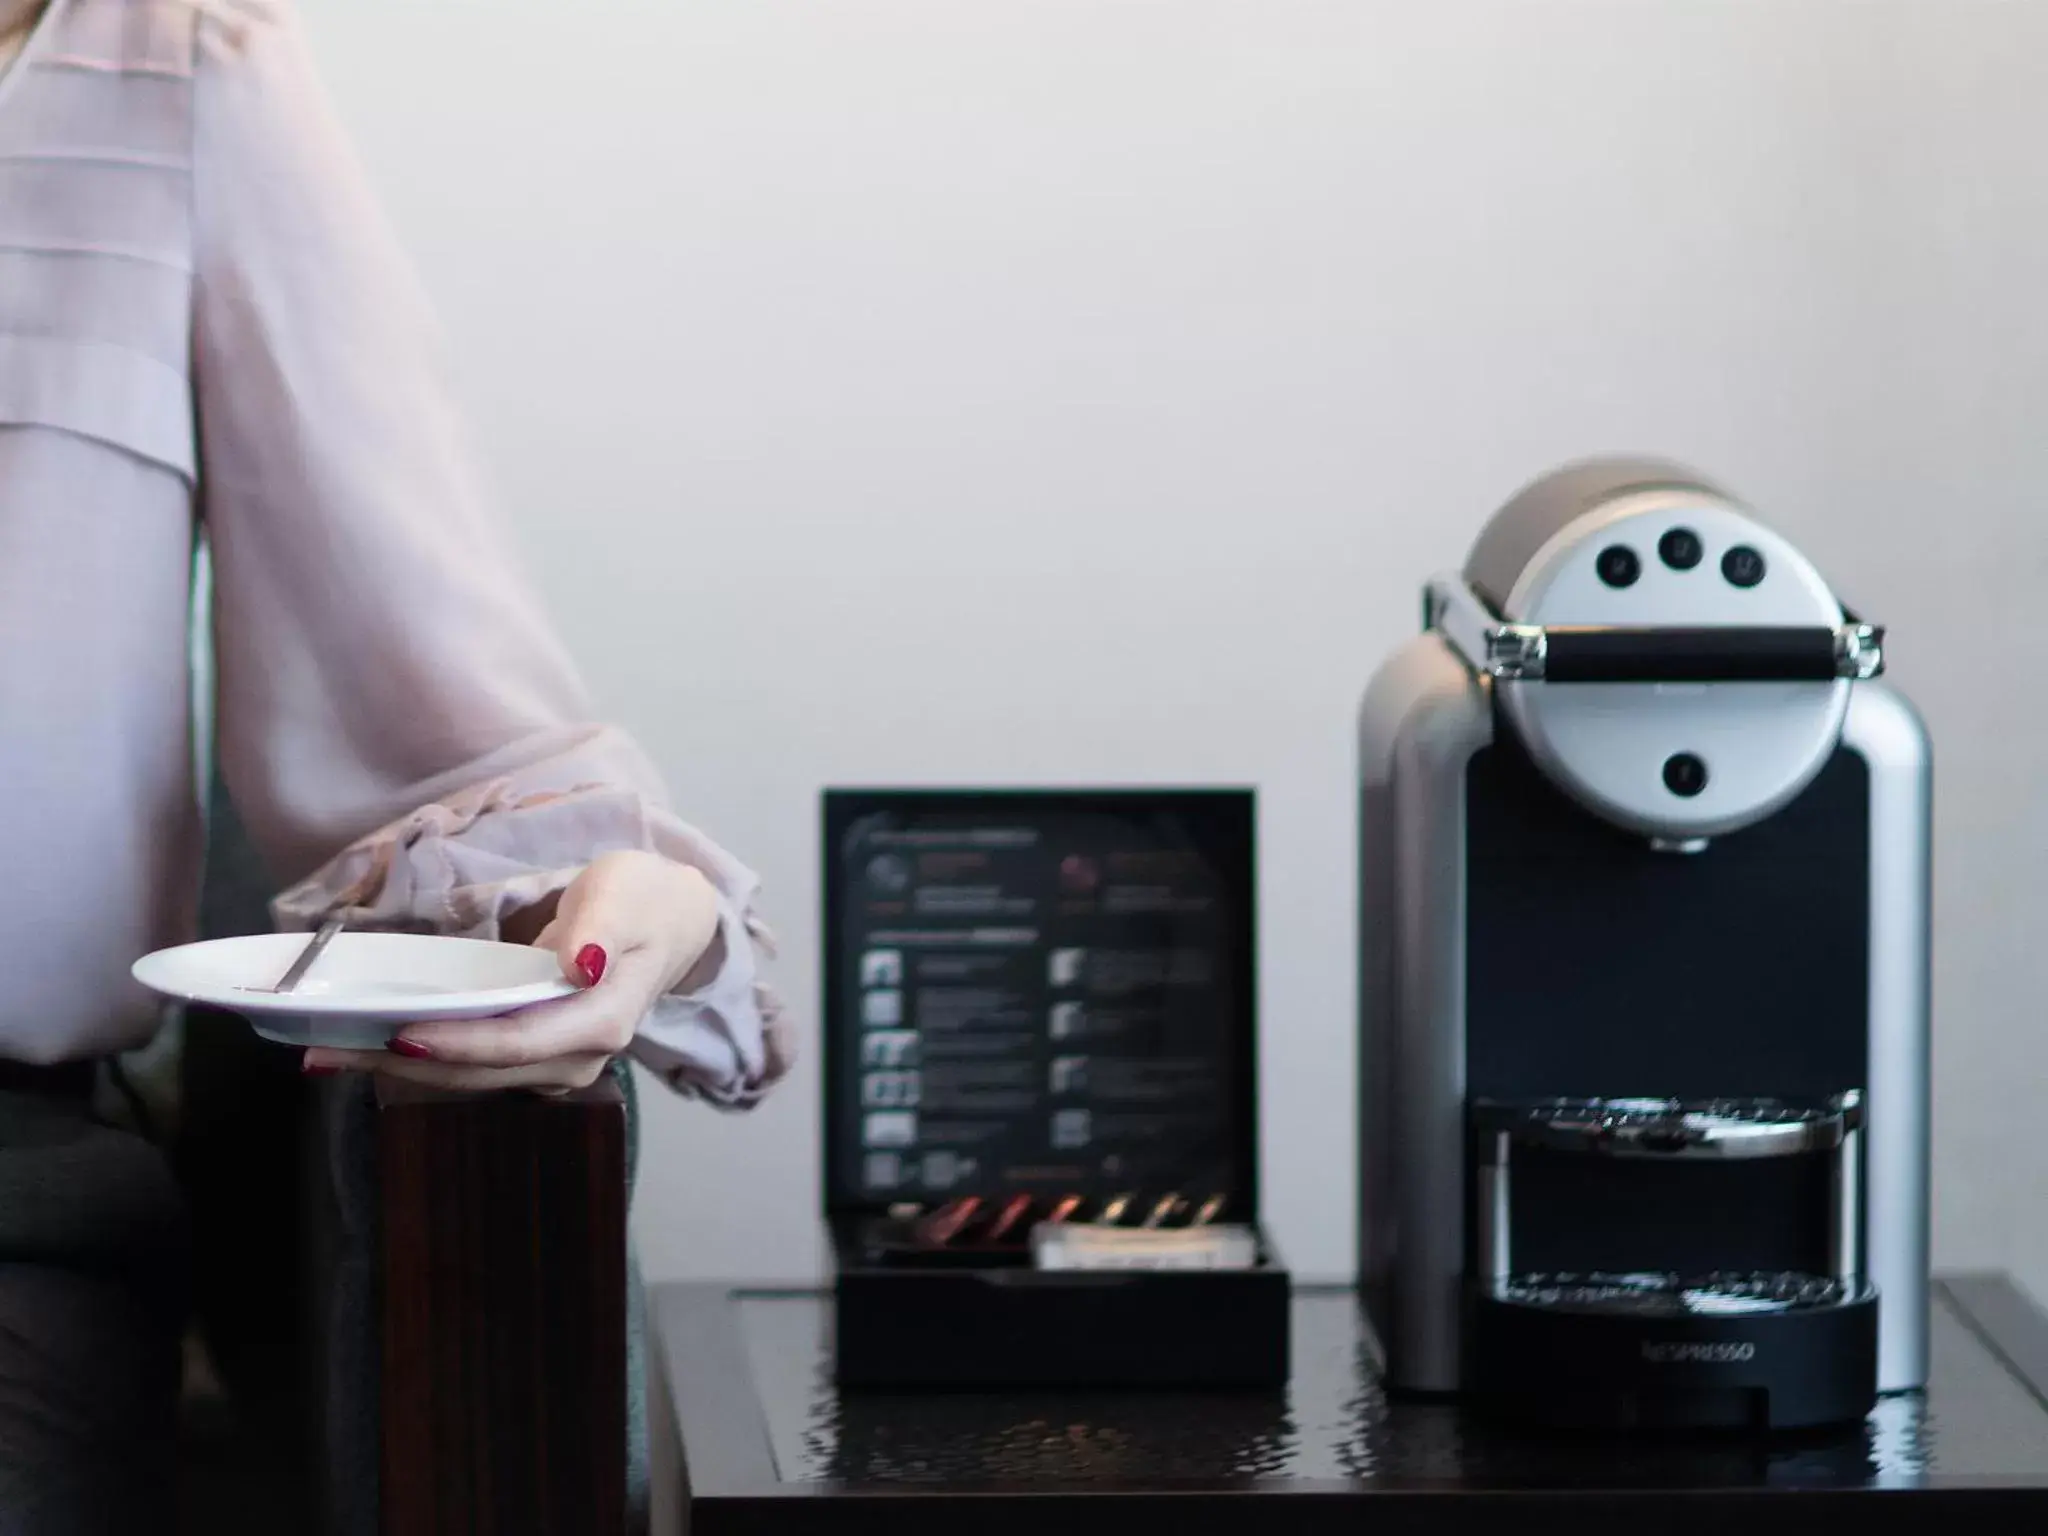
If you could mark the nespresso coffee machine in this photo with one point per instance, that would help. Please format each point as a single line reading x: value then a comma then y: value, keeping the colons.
x: 1645, y: 990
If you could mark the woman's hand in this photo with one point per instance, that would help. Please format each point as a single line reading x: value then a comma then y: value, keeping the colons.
x: 628, y: 929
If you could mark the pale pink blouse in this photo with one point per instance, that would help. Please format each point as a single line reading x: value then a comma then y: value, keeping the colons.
x: 205, y: 321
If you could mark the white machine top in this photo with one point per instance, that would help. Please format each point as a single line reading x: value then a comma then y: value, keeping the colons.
x: 1678, y: 569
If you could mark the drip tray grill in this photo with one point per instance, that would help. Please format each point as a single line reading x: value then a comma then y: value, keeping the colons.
x: 1648, y: 1295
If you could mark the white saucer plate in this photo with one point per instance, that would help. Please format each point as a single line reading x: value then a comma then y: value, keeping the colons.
x: 362, y: 991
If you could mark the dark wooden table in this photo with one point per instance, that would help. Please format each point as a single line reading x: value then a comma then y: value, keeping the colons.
x: 760, y: 1442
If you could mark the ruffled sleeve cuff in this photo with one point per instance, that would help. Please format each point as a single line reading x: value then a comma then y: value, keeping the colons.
x: 725, y: 1042
x: 463, y: 865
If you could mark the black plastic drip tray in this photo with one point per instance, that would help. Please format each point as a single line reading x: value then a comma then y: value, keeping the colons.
x: 1719, y: 1294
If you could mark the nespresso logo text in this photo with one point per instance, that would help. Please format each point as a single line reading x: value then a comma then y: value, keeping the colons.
x: 1698, y: 1354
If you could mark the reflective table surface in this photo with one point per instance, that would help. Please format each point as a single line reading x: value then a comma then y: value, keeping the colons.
x: 763, y: 1428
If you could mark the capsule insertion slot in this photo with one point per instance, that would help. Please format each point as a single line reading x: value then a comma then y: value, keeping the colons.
x: 1597, y: 655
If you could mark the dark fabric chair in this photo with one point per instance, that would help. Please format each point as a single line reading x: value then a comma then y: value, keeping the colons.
x: 246, y: 1142
x: 307, y: 1274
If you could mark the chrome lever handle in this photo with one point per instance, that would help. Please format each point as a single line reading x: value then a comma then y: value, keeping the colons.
x: 1511, y: 652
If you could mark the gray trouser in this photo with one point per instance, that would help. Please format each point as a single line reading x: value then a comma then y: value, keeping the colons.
x: 92, y: 1304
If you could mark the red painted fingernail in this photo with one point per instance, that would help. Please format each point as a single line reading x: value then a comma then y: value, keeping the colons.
x: 310, y: 1070
x: 590, y: 960
x: 398, y: 1045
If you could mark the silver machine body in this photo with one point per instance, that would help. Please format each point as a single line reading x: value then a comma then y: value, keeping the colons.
x: 1682, y: 698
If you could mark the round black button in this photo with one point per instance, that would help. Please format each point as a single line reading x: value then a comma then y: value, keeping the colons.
x: 1680, y: 549
x: 1743, y: 566
x: 1618, y: 565
x: 1685, y: 774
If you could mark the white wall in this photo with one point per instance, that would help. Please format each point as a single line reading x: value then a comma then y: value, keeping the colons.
x: 1066, y: 390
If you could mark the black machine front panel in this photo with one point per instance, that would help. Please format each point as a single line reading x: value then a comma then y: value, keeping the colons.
x: 1598, y: 967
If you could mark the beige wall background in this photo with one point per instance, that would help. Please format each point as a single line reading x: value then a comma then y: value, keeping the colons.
x: 1069, y: 390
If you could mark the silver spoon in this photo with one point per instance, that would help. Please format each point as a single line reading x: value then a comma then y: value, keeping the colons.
x: 313, y: 950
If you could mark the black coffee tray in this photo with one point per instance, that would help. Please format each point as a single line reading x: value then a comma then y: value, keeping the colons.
x: 992, y: 1322
x: 1126, y: 914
